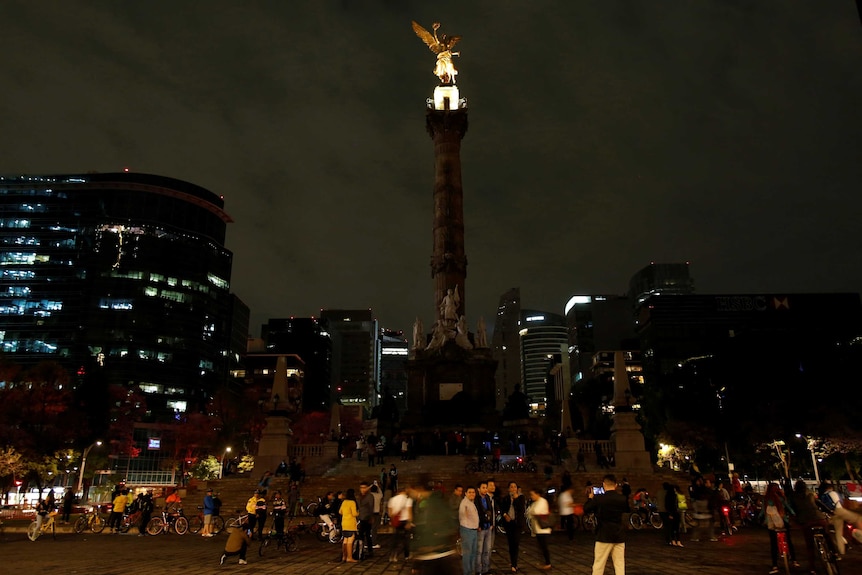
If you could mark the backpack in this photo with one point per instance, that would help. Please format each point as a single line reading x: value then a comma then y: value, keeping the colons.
x: 827, y: 501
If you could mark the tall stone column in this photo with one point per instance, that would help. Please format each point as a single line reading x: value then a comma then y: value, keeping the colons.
x: 447, y: 128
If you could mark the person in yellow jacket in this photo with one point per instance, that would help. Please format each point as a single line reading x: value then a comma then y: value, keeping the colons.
x: 253, y: 507
x: 117, y: 510
x: 349, y: 525
x: 237, y: 543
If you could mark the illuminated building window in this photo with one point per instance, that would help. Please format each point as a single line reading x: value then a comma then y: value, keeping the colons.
x: 217, y: 281
x: 177, y: 405
x: 150, y: 387
x: 122, y: 304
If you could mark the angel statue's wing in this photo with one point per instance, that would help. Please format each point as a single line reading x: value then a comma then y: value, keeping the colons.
x: 450, y: 41
x: 427, y: 37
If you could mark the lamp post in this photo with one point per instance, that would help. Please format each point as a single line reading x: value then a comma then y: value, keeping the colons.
x: 810, y: 443
x: 221, y: 467
x: 83, y: 465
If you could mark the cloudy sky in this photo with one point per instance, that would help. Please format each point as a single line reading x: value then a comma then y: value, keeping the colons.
x: 603, y: 135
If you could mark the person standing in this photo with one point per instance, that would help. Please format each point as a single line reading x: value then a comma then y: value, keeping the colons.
x: 146, y: 506
x: 209, y: 511
x: 566, y: 503
x: 365, y: 507
x: 540, y: 509
x: 485, y: 534
x: 68, y: 500
x: 434, y: 534
x: 400, y: 509
x: 279, y: 510
x: 377, y: 494
x: 251, y: 509
x: 468, y: 521
x: 117, y: 509
x: 609, y: 508
x: 393, y: 480
x: 349, y: 525
x: 514, y: 506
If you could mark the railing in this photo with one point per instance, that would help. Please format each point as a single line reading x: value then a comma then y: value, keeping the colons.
x: 589, y: 447
x: 328, y: 450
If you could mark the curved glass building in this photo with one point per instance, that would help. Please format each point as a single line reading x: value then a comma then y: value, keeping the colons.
x: 124, y: 276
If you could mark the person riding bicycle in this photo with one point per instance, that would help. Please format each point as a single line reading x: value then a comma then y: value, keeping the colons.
x: 836, y: 505
x: 809, y: 516
x: 42, y: 510
x: 775, y: 514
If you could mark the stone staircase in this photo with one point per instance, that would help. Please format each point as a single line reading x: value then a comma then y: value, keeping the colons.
x: 235, y: 490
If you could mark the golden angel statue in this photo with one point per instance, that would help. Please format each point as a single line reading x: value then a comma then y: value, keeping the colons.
x: 442, y: 46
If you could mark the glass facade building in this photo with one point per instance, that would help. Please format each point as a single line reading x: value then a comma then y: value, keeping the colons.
x: 119, y: 276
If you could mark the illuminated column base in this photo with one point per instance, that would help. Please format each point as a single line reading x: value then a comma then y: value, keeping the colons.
x: 444, y: 95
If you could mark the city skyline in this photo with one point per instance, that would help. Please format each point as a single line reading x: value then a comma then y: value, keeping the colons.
x: 601, y: 138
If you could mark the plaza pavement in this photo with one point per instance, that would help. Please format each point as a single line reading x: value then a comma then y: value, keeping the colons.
x: 107, y: 554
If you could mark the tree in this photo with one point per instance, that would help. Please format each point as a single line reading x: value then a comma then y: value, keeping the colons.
x: 206, y: 468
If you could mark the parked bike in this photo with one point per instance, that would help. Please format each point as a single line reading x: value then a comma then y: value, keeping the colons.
x: 92, y: 520
x: 167, y: 522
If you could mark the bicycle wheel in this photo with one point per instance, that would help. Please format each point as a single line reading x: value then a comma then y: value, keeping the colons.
x: 264, y: 545
x: 33, y: 531
x: 196, y: 524
x: 290, y: 544
x: 181, y: 525
x: 311, y: 510
x: 335, y: 536
x: 98, y: 524
x: 232, y: 523
x: 531, y: 467
x: 217, y: 524
x: 656, y: 521
x: 81, y: 524
x: 636, y: 521
x: 322, y: 533
x: 830, y: 563
x: 785, y: 562
x: 155, y: 526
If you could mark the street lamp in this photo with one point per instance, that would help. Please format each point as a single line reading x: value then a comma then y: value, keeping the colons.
x: 83, y: 464
x: 221, y: 467
x: 810, y: 442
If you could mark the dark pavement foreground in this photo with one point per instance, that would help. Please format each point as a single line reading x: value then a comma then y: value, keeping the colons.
x: 107, y: 554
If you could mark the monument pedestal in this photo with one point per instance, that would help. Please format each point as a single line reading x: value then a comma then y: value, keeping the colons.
x: 629, y: 451
x: 274, y: 443
x: 451, y: 386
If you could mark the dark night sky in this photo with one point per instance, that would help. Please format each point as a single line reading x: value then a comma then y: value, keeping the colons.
x: 603, y: 135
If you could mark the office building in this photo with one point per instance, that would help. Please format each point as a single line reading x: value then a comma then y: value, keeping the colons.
x: 354, y: 355
x: 660, y: 279
x: 123, y: 279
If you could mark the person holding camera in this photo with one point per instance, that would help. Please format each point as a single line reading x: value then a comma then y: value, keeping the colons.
x: 609, y: 507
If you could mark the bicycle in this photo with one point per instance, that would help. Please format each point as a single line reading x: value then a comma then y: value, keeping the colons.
x: 129, y: 520
x: 167, y: 522
x: 725, y: 522
x: 196, y: 523
x: 34, y: 531
x: 825, y: 550
x: 235, y: 522
x: 646, y: 515
x: 92, y: 520
x: 589, y: 522
x: 285, y: 542
x: 783, y: 549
